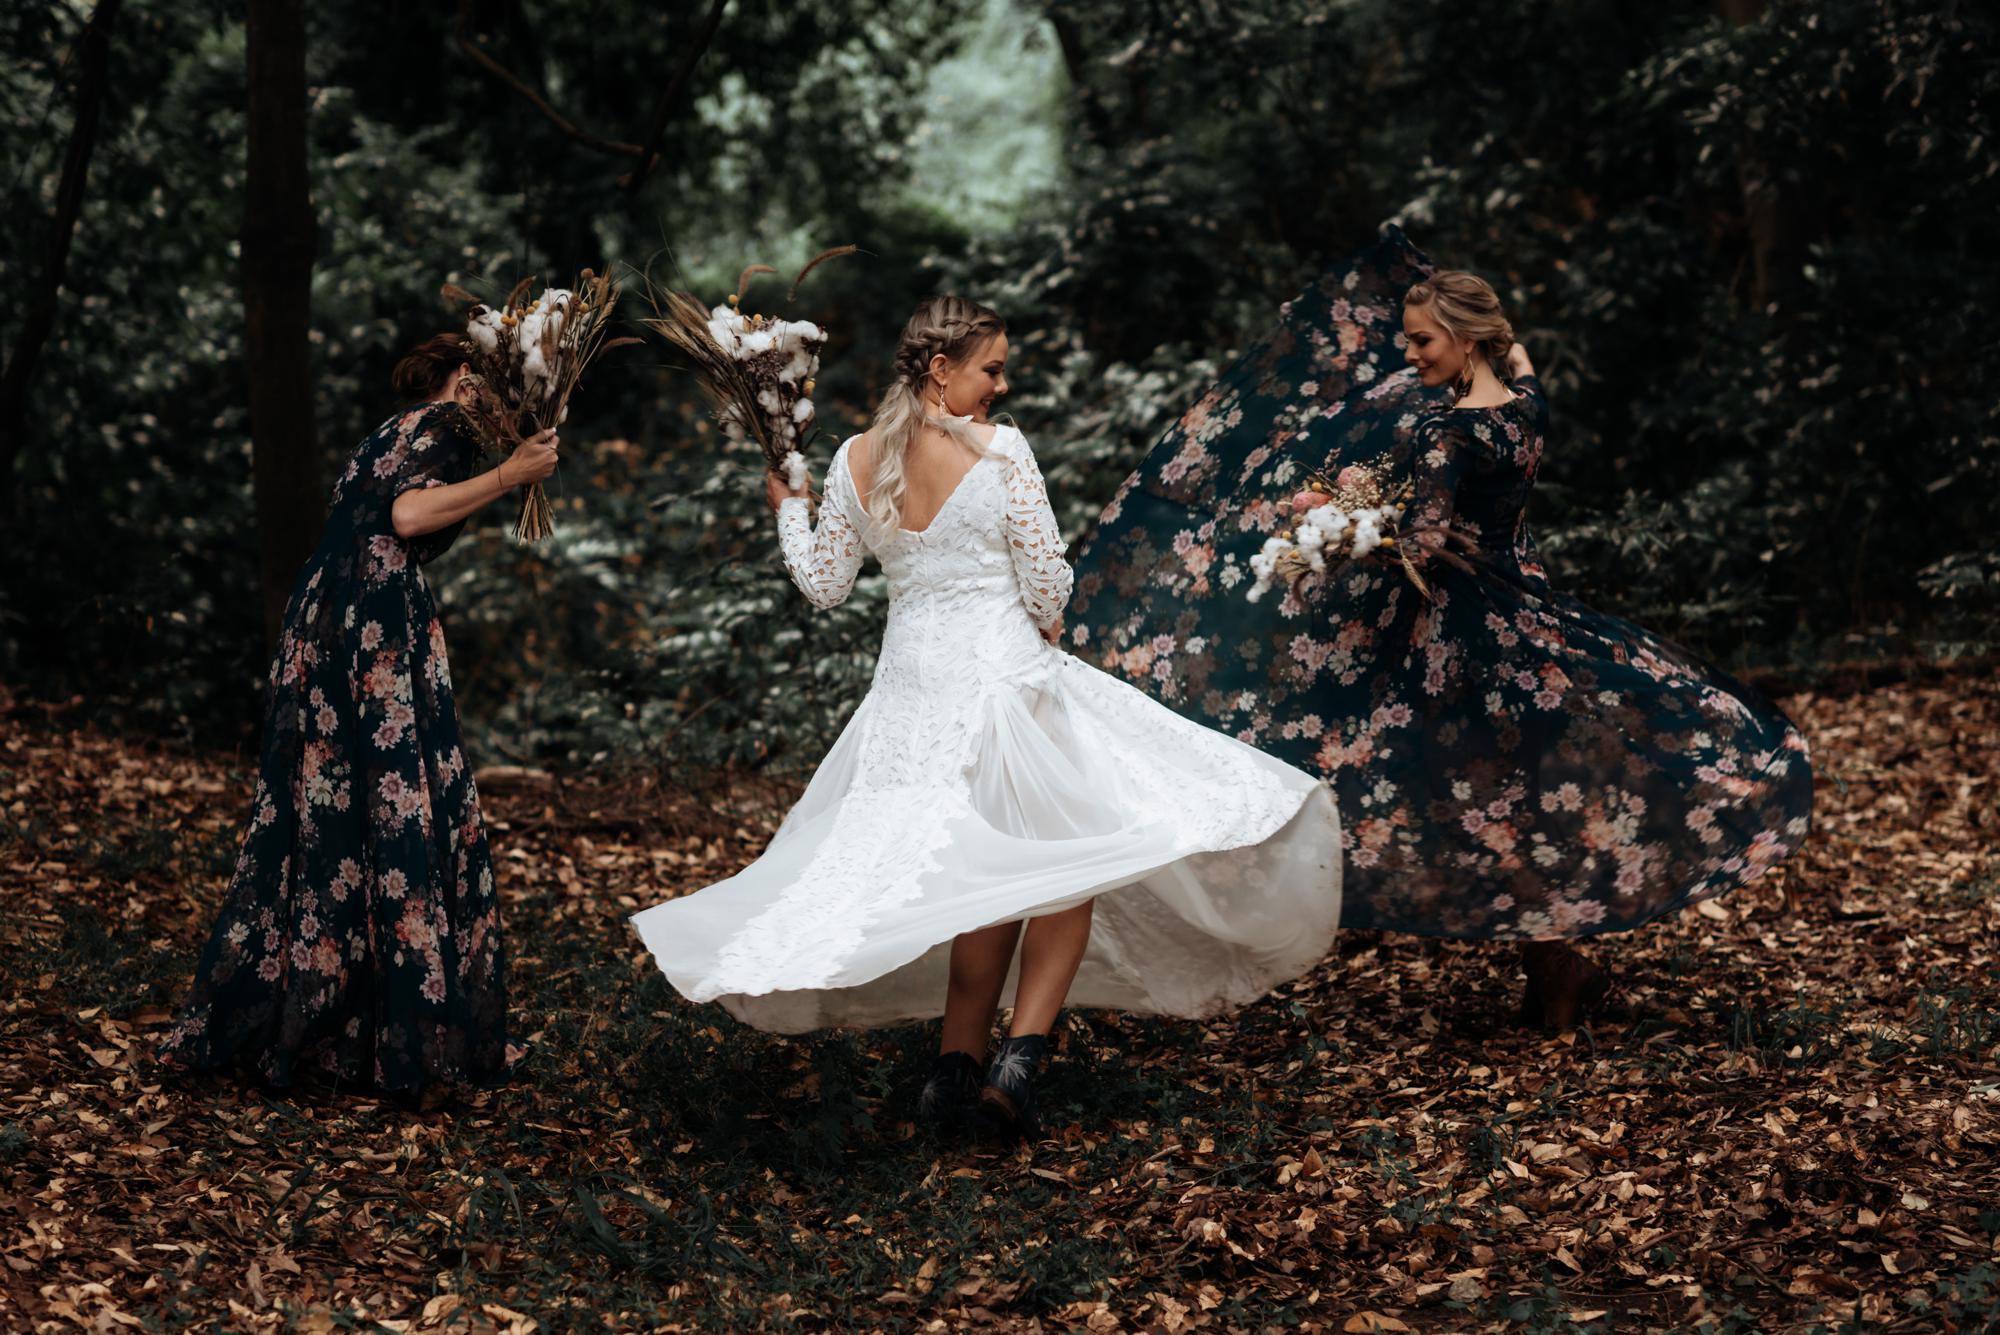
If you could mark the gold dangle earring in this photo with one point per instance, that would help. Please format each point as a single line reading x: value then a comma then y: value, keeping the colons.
x: 1463, y: 385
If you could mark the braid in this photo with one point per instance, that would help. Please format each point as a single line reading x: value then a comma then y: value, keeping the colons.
x: 947, y: 326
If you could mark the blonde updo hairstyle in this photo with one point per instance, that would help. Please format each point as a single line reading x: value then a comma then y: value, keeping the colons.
x: 1469, y: 310
x: 952, y: 326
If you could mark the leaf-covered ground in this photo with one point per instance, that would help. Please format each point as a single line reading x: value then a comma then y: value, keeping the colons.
x: 1790, y: 1123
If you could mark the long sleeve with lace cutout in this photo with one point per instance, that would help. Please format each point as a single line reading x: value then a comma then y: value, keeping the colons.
x: 824, y: 561
x: 1033, y: 540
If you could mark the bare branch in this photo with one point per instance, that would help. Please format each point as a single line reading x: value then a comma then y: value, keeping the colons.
x: 650, y: 154
x: 462, y: 32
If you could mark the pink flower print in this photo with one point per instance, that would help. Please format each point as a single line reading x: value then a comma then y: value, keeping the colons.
x: 1502, y: 903
x: 269, y: 969
x: 371, y: 636
x: 383, y: 682
x: 392, y: 459
x: 1197, y: 416
x: 414, y: 929
x: 1548, y: 699
x: 389, y: 554
x: 1765, y: 849
x: 415, y: 802
x: 301, y: 954
x: 393, y: 884
x: 396, y: 718
x: 1474, y: 821
x: 433, y: 988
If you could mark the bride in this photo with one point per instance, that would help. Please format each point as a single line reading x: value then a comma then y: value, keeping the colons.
x: 998, y: 823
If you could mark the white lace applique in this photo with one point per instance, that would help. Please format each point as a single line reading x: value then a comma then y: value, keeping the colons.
x: 822, y: 562
x: 882, y: 845
x: 1033, y: 539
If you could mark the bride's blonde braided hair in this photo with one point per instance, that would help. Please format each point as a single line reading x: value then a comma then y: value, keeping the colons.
x: 955, y: 327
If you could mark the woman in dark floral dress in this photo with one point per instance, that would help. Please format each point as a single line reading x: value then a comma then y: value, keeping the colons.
x: 361, y: 934
x: 1510, y: 764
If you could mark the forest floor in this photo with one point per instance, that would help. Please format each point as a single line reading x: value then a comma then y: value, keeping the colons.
x: 1790, y: 1122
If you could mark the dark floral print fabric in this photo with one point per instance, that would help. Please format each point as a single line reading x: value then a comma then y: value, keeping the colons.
x: 1509, y: 762
x: 361, y: 933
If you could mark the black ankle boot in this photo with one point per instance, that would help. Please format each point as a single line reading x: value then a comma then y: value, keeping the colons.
x: 1007, y: 1102
x: 950, y: 1091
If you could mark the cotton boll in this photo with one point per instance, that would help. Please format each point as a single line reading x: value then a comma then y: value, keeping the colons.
x: 1328, y: 521
x: 484, y: 328
x: 1367, y: 537
x: 795, y: 471
x: 802, y: 411
x: 1311, y: 545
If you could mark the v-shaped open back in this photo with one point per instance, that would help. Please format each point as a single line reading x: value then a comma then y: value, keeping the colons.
x: 944, y: 503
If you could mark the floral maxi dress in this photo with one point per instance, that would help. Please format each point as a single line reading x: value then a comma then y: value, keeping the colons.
x: 1509, y: 763
x: 360, y: 934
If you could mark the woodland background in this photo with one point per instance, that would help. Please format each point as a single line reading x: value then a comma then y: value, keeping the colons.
x: 1748, y: 241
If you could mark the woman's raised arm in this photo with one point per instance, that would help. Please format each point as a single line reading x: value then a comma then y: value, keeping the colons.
x: 424, y: 508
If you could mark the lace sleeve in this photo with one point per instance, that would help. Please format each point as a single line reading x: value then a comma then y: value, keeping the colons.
x: 1440, y: 460
x: 1033, y: 540
x: 824, y: 561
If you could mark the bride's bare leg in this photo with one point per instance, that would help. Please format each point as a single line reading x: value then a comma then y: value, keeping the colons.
x: 979, y: 962
x: 1049, y: 959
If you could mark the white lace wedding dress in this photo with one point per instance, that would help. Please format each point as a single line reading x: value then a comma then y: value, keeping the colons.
x: 989, y: 777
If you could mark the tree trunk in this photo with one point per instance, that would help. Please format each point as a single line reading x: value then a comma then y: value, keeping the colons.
x: 1769, y: 222
x: 93, y: 64
x: 279, y: 241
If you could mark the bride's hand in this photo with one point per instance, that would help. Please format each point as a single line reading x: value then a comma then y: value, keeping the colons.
x: 1518, y: 364
x: 1053, y: 634
x: 776, y: 489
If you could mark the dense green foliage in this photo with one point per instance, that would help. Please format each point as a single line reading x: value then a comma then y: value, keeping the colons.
x: 1748, y: 254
